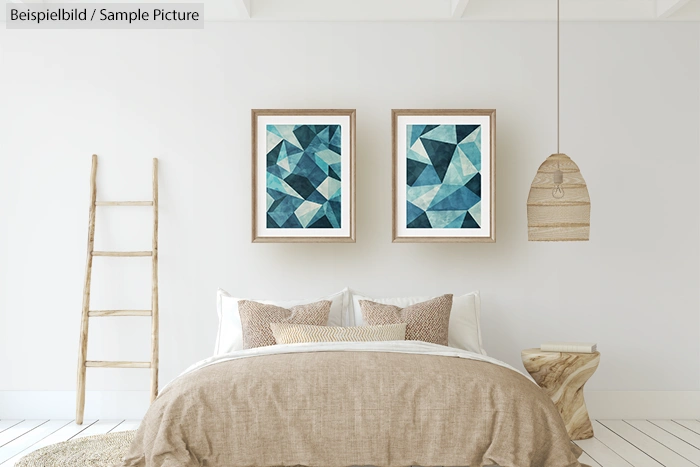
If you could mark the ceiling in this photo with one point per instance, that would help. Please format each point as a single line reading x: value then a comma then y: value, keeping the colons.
x: 450, y: 10
x: 438, y: 10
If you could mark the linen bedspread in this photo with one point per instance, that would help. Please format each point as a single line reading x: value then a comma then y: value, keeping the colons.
x: 391, y: 404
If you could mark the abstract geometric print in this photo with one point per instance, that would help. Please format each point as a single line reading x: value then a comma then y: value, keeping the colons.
x: 303, y: 176
x: 443, y: 176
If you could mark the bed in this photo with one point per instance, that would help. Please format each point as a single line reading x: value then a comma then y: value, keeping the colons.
x: 337, y: 404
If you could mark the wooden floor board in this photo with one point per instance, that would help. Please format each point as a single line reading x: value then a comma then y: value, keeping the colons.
x: 98, y: 428
x: 63, y: 434
x: 601, y: 453
x: 689, y: 436
x: 17, y: 445
x: 5, y: 424
x: 622, y: 447
x: 693, y: 425
x: 586, y: 459
x: 647, y: 444
x: 127, y: 425
x: 18, y: 430
x: 672, y: 442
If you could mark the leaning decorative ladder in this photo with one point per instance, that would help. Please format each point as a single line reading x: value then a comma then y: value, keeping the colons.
x: 83, y: 362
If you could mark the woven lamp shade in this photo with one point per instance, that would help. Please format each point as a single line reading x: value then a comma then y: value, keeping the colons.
x: 565, y: 219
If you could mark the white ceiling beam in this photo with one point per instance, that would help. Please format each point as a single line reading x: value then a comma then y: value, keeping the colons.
x: 458, y: 7
x: 244, y: 8
x: 571, y: 10
x: 353, y: 10
x: 447, y: 10
x: 666, y: 8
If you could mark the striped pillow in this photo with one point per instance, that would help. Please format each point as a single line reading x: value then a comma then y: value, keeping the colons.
x: 286, y: 333
x: 427, y: 321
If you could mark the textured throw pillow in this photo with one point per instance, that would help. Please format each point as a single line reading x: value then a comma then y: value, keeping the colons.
x: 256, y: 318
x: 286, y: 333
x: 465, y: 317
x: 427, y: 321
x: 229, y: 336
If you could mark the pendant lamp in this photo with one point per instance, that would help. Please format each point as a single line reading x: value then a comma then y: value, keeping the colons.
x: 558, y: 207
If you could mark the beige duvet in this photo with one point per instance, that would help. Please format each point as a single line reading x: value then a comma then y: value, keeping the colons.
x: 345, y: 408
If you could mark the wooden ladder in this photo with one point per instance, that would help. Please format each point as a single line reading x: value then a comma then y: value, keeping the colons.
x: 83, y: 362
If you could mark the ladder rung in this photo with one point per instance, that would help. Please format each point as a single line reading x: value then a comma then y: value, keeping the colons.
x: 122, y: 253
x: 95, y: 364
x: 123, y: 203
x: 96, y: 313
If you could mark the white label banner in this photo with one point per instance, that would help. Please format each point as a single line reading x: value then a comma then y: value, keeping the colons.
x: 104, y: 16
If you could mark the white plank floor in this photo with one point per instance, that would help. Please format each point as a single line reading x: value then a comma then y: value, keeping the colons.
x: 20, y: 437
x: 617, y: 443
x: 643, y: 443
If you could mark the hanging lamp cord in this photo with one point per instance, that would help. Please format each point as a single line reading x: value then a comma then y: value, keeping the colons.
x: 558, y: 92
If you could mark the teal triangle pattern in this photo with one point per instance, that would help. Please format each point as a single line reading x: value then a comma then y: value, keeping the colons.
x: 443, y: 180
x: 303, y: 179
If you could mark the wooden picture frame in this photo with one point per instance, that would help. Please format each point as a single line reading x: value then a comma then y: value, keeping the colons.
x: 303, y: 175
x: 443, y: 175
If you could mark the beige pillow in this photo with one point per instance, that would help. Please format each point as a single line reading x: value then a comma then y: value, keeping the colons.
x: 286, y: 333
x: 425, y: 321
x: 256, y: 318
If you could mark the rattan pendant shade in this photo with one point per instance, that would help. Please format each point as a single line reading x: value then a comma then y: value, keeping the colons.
x: 558, y: 206
x: 565, y: 217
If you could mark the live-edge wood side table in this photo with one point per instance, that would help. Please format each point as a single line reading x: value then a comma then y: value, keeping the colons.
x: 562, y: 376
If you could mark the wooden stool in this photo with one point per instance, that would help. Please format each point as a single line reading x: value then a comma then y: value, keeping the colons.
x: 562, y: 375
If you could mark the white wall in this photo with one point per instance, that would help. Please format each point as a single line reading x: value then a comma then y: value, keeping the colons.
x: 630, y: 119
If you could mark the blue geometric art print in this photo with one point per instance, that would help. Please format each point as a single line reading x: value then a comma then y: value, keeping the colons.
x: 443, y: 176
x: 303, y: 176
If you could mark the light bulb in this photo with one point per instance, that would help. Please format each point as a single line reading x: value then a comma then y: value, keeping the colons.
x: 558, y: 192
x: 558, y: 179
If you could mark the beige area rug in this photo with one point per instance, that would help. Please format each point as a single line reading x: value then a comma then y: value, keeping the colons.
x: 90, y: 451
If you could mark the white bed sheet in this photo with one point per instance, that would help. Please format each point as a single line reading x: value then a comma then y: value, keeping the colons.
x: 409, y: 347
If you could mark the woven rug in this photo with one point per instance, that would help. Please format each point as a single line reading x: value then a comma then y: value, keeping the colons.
x: 90, y: 451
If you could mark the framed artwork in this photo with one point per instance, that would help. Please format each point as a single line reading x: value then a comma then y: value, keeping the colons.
x: 444, y: 175
x: 303, y: 175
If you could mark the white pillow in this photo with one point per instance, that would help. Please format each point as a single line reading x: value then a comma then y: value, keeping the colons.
x: 229, y: 337
x: 465, y: 330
